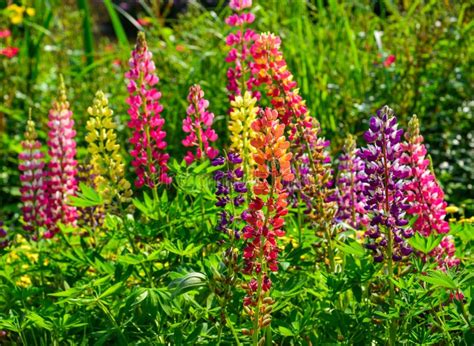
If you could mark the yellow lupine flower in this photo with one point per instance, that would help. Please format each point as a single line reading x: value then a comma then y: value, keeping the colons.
x: 107, y: 162
x: 244, y: 112
x: 452, y: 209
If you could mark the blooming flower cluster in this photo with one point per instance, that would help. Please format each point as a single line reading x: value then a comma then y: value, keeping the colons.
x: 239, y: 76
x: 384, y: 187
x: 424, y: 195
x: 198, y: 126
x: 9, y: 51
x: 230, y: 195
x: 62, y: 165
x: 270, y: 69
x: 264, y: 217
x: 350, y: 196
x: 445, y: 254
x: 32, y: 180
x: 107, y: 163
x: 231, y: 190
x: 243, y: 114
x: 17, y: 13
x: 148, y: 139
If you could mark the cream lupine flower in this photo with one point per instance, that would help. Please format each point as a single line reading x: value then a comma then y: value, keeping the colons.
x: 244, y: 112
x: 107, y: 163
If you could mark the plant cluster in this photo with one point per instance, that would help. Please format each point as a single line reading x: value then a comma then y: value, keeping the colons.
x: 261, y: 239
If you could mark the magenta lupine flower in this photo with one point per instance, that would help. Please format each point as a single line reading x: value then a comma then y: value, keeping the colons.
x: 384, y: 187
x: 148, y: 139
x: 239, y: 76
x: 349, y: 185
x: 424, y: 195
x: 62, y: 172
x: 198, y: 126
x: 445, y: 254
x: 32, y: 180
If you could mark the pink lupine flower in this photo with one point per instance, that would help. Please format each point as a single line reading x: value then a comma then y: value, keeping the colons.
x: 239, y: 77
x: 198, y: 127
x: 32, y: 180
x: 62, y: 171
x: 4, y: 33
x: 148, y: 139
x: 445, y: 254
x: 424, y: 195
x: 239, y: 5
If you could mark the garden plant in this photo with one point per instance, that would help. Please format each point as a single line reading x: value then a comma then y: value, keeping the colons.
x: 236, y: 172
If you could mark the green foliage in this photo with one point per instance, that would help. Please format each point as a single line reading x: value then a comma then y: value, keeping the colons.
x: 154, y: 275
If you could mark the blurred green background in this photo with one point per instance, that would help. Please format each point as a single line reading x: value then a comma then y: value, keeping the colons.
x: 348, y: 57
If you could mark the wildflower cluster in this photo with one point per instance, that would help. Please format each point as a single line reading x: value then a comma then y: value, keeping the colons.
x: 350, y: 196
x: 198, y: 126
x: 384, y: 187
x: 108, y: 168
x: 62, y: 165
x: 264, y: 217
x: 148, y: 139
x: 32, y: 180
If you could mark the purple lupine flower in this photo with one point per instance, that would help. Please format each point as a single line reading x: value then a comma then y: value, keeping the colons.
x: 230, y: 190
x: 384, y: 186
x: 349, y: 194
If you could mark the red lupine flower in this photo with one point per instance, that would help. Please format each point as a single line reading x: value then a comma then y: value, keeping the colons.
x: 62, y: 171
x: 198, y: 125
x: 32, y: 180
x: 9, y: 52
x: 389, y: 60
x: 148, y: 139
x: 264, y: 216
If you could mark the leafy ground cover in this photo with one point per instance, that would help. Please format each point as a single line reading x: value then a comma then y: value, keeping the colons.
x: 231, y: 174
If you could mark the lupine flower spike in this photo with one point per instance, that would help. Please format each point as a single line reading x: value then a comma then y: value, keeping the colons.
x: 148, y: 139
x: 243, y: 114
x: 264, y: 216
x: 230, y: 193
x: 108, y: 168
x: 425, y: 196
x: 239, y: 77
x: 32, y: 180
x: 198, y: 126
x: 62, y: 165
x: 350, y: 177
x: 384, y: 188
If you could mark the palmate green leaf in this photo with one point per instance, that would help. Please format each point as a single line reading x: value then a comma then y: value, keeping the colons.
x: 189, y: 282
x: 39, y: 321
x: 352, y: 248
x: 439, y: 279
x: 88, y: 197
x: 111, y: 290
x: 425, y: 244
